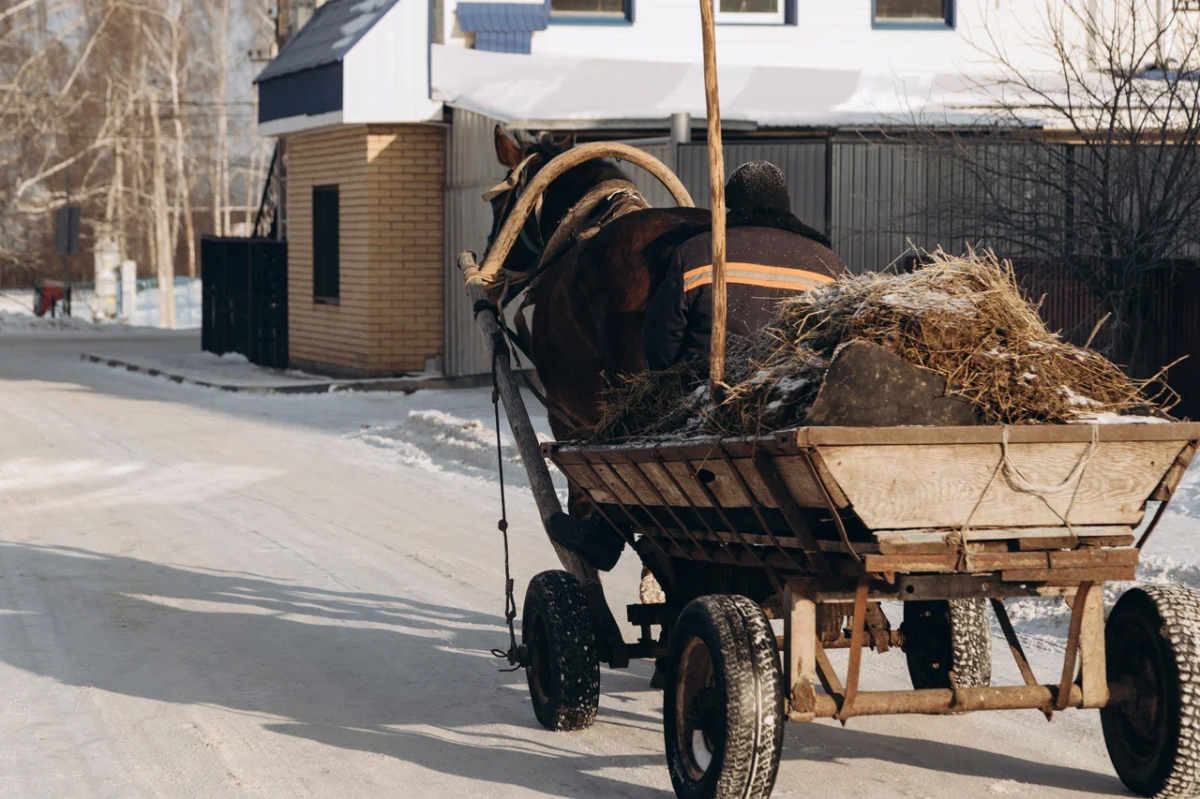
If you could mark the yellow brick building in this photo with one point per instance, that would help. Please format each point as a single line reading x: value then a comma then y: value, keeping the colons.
x: 364, y: 172
x: 387, y: 316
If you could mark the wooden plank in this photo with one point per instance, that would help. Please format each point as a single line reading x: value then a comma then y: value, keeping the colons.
x: 975, y: 535
x: 940, y: 486
x: 1069, y: 576
x: 987, y: 561
x: 800, y: 649
x: 791, y: 441
x: 773, y: 482
x: 1181, y: 432
x: 1171, y: 480
x: 1093, y: 670
x: 938, y: 547
x: 910, y: 563
x: 800, y: 483
x: 1094, y: 557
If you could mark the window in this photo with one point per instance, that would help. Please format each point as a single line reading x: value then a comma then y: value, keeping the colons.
x: 325, y: 243
x: 752, y: 12
x: 591, y: 11
x: 913, y: 13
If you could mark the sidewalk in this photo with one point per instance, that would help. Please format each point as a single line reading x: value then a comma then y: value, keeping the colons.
x: 179, y: 359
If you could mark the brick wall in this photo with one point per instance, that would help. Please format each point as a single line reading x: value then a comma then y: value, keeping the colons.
x: 390, y: 180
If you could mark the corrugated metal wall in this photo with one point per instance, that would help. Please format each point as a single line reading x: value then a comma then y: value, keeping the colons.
x: 471, y: 169
x: 803, y: 163
x: 885, y: 198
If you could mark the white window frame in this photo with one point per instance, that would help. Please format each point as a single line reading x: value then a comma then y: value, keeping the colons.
x: 750, y: 18
x: 622, y: 14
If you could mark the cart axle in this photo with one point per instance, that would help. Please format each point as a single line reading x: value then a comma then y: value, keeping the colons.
x: 942, y: 701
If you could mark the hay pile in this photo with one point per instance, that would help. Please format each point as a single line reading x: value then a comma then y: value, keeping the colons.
x: 964, y: 318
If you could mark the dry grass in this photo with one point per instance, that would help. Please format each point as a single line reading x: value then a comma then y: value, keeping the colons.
x: 964, y: 318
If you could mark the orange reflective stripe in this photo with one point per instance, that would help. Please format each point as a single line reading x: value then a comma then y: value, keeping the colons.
x: 775, y: 277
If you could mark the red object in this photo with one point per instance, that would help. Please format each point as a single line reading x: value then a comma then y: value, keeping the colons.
x: 46, y: 294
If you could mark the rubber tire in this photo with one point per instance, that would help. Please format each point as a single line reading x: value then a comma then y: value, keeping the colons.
x: 1155, y: 631
x: 563, y: 667
x: 748, y: 681
x: 956, y: 632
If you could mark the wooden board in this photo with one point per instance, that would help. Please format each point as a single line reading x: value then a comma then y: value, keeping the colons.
x: 636, y: 478
x: 975, y: 534
x: 940, y: 485
x: 985, y: 434
x: 1069, y: 576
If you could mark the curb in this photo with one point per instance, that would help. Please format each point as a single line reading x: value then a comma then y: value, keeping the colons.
x: 405, y: 385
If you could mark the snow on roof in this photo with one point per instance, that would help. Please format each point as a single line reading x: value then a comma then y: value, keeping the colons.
x: 522, y: 88
x: 327, y: 37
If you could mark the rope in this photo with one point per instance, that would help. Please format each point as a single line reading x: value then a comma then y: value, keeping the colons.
x: 513, y: 655
x: 1021, y: 484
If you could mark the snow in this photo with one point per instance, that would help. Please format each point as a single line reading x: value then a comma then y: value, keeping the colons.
x: 1109, y: 417
x: 147, y: 310
x: 217, y: 594
x: 16, y: 322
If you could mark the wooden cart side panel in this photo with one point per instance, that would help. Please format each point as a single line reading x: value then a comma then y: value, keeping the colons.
x: 920, y: 486
x: 986, y: 434
x: 1171, y: 480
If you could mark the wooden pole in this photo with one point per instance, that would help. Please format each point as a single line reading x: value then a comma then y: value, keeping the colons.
x: 530, y: 448
x: 716, y: 177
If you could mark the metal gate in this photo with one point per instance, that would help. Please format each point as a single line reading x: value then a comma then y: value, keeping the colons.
x: 245, y: 299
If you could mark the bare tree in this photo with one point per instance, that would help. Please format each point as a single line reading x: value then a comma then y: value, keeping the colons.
x: 1090, y: 170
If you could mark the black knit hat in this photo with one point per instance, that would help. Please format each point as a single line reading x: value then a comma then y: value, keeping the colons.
x: 757, y: 184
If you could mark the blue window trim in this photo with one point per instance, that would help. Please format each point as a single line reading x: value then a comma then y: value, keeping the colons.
x: 902, y: 25
x: 595, y: 19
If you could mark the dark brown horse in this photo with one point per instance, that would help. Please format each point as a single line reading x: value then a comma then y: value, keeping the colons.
x: 590, y: 303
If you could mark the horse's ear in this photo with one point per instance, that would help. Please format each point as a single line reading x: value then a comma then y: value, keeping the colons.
x: 564, y: 142
x: 508, y: 149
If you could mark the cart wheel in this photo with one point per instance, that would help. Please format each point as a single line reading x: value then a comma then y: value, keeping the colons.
x: 1152, y: 640
x: 941, y: 636
x: 723, y: 711
x: 562, y: 667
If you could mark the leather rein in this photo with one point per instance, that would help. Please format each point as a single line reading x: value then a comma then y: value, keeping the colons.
x: 602, y: 204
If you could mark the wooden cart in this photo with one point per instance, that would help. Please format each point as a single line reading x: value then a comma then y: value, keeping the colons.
x: 818, y: 526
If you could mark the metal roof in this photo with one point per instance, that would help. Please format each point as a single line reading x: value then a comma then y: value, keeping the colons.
x: 329, y: 35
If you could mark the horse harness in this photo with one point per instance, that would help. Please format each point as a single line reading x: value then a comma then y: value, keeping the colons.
x: 603, y: 204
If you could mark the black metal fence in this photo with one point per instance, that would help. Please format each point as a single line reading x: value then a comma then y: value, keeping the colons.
x: 245, y: 299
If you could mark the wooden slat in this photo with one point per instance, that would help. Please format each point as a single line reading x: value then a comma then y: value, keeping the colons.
x: 910, y: 563
x: 1094, y: 557
x: 1181, y: 432
x: 1067, y: 542
x: 941, y: 485
x: 1069, y: 576
x: 975, y: 534
x: 986, y: 562
x: 1171, y: 480
x: 791, y: 441
x: 1093, y: 669
x: 938, y: 547
x: 800, y: 649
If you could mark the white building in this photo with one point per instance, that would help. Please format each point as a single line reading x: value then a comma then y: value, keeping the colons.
x: 804, y: 83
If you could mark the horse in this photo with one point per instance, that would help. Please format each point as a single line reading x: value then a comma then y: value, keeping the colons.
x: 589, y: 305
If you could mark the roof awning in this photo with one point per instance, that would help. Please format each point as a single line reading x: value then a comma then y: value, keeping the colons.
x: 543, y: 91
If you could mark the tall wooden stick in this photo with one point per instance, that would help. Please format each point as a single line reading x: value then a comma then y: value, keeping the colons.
x: 716, y: 177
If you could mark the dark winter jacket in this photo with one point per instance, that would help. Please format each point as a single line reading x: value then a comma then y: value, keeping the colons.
x: 770, y: 255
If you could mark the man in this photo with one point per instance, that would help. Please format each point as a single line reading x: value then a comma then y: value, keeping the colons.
x: 770, y: 254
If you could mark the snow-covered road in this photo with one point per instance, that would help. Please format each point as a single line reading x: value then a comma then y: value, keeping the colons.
x: 211, y: 595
